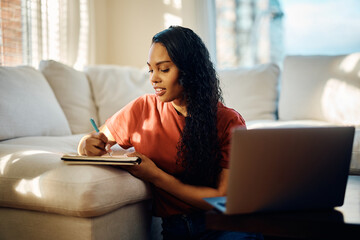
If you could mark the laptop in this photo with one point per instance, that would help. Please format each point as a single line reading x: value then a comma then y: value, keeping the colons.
x: 287, y: 169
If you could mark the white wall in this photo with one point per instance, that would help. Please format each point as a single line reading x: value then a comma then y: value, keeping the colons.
x: 124, y: 28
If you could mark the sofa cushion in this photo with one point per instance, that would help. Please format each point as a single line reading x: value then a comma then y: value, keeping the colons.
x: 255, y: 124
x: 115, y: 86
x: 251, y: 91
x: 325, y: 88
x: 28, y: 106
x: 33, y: 177
x: 72, y: 89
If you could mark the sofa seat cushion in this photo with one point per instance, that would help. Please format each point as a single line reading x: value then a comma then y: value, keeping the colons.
x: 33, y: 177
x: 355, y: 157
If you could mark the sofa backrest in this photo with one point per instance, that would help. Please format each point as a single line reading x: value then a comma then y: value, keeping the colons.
x: 325, y: 88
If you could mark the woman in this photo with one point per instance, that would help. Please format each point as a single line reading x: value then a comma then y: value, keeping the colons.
x: 181, y: 133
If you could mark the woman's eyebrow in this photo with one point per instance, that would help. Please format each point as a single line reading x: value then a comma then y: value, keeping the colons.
x: 159, y: 63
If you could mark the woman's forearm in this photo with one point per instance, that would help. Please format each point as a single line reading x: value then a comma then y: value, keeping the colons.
x: 193, y: 195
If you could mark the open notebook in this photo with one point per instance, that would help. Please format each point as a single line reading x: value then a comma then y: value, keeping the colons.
x: 287, y: 169
x: 101, y: 160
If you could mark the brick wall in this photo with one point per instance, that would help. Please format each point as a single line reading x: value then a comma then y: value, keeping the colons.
x: 11, y: 33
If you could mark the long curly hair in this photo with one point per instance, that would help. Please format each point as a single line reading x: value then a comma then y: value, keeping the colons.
x: 198, y: 149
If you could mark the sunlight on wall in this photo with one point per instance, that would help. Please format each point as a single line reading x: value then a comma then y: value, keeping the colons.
x: 175, y: 3
x: 349, y: 63
x: 341, y: 102
x: 171, y: 19
x: 29, y: 186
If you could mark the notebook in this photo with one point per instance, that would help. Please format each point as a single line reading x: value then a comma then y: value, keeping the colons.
x: 101, y: 160
x: 287, y: 169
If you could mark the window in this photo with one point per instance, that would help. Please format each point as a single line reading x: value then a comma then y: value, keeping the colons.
x: 250, y: 32
x: 321, y: 27
x: 32, y: 30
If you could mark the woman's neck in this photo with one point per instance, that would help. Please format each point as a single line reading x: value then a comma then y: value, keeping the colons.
x: 180, y: 107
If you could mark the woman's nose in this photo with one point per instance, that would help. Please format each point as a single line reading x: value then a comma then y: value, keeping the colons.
x: 154, y: 77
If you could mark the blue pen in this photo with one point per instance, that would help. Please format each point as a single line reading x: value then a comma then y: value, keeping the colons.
x: 94, y: 124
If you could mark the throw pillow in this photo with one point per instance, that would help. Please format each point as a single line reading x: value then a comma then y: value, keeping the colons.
x: 28, y: 106
x: 115, y: 86
x: 72, y: 89
x: 251, y: 91
x: 325, y: 88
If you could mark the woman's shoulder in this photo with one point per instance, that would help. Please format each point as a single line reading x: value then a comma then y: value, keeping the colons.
x: 226, y: 114
x: 146, y: 99
x: 140, y: 104
x: 224, y: 110
x: 149, y: 102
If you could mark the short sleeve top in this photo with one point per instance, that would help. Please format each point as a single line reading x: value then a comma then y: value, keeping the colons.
x: 154, y: 129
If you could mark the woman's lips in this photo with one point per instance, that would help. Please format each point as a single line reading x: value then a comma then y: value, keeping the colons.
x: 160, y: 91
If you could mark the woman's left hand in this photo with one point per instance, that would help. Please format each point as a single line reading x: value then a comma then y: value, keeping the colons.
x: 193, y: 195
x: 146, y: 170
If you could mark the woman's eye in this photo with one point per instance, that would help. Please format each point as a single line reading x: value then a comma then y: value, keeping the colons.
x: 165, y: 70
x: 150, y: 71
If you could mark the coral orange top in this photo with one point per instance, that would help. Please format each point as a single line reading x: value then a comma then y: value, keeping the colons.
x: 154, y: 128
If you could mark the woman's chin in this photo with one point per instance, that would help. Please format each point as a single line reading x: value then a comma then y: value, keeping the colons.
x: 163, y: 98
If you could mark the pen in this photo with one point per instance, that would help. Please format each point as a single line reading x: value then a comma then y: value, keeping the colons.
x: 97, y: 130
x: 94, y: 124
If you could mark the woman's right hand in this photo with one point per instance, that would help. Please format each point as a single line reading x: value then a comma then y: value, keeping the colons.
x: 94, y: 144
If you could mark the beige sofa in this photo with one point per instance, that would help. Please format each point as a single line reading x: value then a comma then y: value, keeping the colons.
x: 45, y: 112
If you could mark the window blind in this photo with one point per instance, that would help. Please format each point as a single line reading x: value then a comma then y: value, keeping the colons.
x: 32, y: 30
x: 248, y: 32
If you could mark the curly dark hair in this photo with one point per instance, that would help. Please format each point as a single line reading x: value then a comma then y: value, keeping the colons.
x: 198, y: 149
